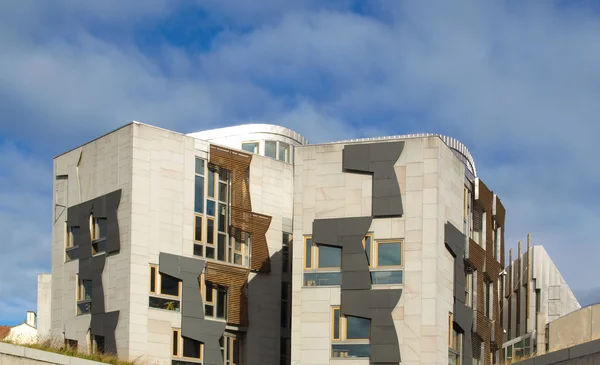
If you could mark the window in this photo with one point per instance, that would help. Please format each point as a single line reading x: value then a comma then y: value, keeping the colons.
x: 212, y: 214
x: 454, y: 344
x: 231, y: 349
x: 215, y: 300
x: 164, y: 291
x: 324, y: 262
x: 285, y: 252
x: 251, y: 147
x: 271, y: 149
x: 84, y: 296
x: 71, y: 242
x: 285, y: 304
x: 186, y: 348
x: 488, y: 292
x: 284, y: 152
x: 239, y: 247
x: 98, y: 226
x: 98, y: 344
x: 388, y: 253
x: 349, y: 335
x: 497, y: 242
x: 468, y: 285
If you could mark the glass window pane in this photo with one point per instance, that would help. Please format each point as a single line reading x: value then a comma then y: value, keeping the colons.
x: 222, y: 217
x: 210, y: 207
x: 221, y: 302
x: 308, y: 253
x: 271, y: 149
x: 251, y: 147
x: 198, y: 229
x: 210, y: 252
x: 209, y: 291
x: 389, y: 254
x: 357, y: 328
x: 152, y: 279
x: 101, y: 227
x: 198, y: 250
x: 175, y: 343
x: 236, y: 351
x: 336, y: 324
x: 199, y: 194
x: 221, y: 247
x: 75, y: 232
x: 191, y: 348
x: 368, y: 248
x: 223, y: 192
x: 200, y: 166
x: 86, y: 290
x: 169, y: 285
x: 329, y: 256
x: 210, y: 231
x: 284, y: 152
x: 211, y: 181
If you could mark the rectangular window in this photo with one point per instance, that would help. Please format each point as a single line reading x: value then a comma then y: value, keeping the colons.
x: 284, y: 152
x: 231, y: 349
x: 251, y: 147
x: 468, y: 283
x: 308, y: 252
x: 489, y: 300
x: 286, y: 241
x: 350, y: 335
x: 198, y: 228
x: 210, y: 190
x: 164, y: 291
x: 184, y: 347
x: 70, y: 236
x: 239, y: 246
x: 388, y: 253
x: 98, y: 228
x: 84, y: 296
x: 271, y: 149
x: 210, y: 231
x: 215, y: 300
x: 328, y: 257
x: 199, y: 194
x: 368, y: 245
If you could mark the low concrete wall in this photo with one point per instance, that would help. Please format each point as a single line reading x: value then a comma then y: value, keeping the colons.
x: 580, y: 326
x: 19, y: 355
x: 587, y: 353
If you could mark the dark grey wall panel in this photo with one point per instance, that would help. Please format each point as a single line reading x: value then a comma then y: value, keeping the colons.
x: 377, y: 305
x: 347, y: 233
x: 463, y: 314
x: 378, y: 159
x: 193, y: 324
x: 91, y: 267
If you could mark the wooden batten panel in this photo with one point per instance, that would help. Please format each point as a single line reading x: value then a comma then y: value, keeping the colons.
x: 242, y: 216
x: 235, y: 279
x: 257, y: 225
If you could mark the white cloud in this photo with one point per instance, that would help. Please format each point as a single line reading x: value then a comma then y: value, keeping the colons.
x: 519, y: 85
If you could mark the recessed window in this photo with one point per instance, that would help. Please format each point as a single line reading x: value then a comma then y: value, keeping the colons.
x: 184, y: 347
x: 286, y: 242
x: 231, y: 349
x: 284, y: 152
x: 271, y: 149
x: 98, y: 344
x: 349, y: 335
x: 84, y: 296
x: 251, y: 147
x: 98, y: 228
x: 454, y: 343
x: 165, y: 290
x: 215, y: 300
x: 389, y: 253
x: 285, y: 304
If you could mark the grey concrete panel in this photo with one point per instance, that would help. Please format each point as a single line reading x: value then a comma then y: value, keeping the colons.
x: 552, y: 358
x: 105, y: 324
x: 376, y: 305
x: 378, y: 159
x: 193, y: 324
x: 347, y: 233
x: 463, y: 314
x: 91, y: 267
x: 584, y: 349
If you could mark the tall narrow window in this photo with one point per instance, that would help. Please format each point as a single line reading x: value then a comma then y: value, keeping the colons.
x: 308, y: 252
x: 285, y: 252
x: 284, y: 152
x: 271, y: 149
x: 215, y: 300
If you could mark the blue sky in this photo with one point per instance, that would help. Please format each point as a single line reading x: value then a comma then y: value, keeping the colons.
x: 518, y: 82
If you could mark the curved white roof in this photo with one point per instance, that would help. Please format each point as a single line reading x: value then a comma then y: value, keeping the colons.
x: 458, y: 147
x: 245, y: 129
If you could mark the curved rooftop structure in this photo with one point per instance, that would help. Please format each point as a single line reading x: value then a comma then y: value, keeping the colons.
x: 461, y: 151
x: 244, y: 130
x: 259, y: 131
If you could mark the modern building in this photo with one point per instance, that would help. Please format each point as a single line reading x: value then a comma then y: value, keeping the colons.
x: 247, y: 245
x: 398, y: 247
x: 535, y: 294
x: 23, y: 333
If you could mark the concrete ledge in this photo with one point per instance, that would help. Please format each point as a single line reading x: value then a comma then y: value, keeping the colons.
x: 8, y: 350
x: 569, y: 356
